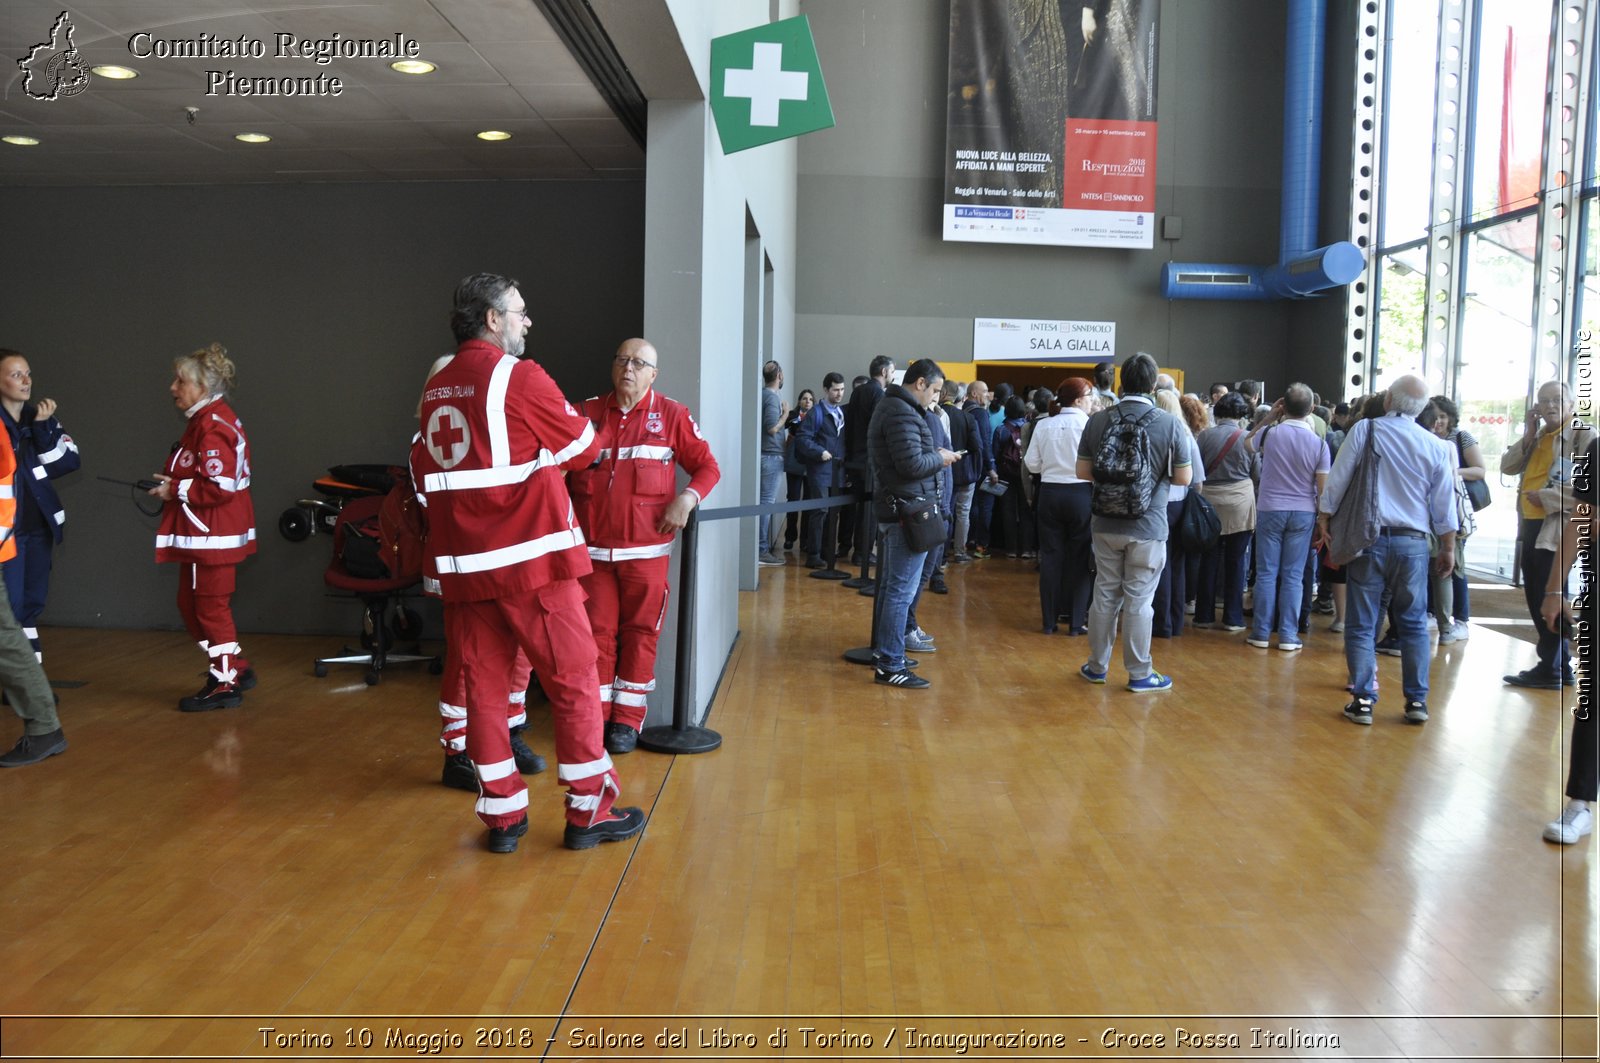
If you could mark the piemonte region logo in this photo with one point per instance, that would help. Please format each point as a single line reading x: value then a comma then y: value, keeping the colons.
x: 54, y: 69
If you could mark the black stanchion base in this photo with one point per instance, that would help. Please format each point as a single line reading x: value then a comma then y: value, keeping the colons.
x: 870, y: 590
x: 859, y: 582
x: 672, y: 740
x: 829, y: 573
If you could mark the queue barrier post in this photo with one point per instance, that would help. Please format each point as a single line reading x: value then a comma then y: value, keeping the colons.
x: 681, y: 736
x: 864, y: 654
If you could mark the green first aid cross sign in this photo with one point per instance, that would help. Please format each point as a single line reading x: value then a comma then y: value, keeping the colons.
x: 766, y: 85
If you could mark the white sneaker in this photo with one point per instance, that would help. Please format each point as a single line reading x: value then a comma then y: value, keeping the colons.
x: 1574, y: 823
x: 1337, y: 627
x: 1457, y: 632
x: 919, y: 641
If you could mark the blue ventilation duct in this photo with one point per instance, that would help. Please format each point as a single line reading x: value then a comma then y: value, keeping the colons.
x: 1302, y: 267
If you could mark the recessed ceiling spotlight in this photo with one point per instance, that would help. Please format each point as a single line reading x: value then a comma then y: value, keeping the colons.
x: 20, y: 141
x: 413, y: 66
x: 114, y: 72
x: 494, y: 134
x: 252, y: 138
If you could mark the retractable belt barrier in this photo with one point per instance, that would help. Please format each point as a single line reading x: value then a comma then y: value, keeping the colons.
x: 681, y: 736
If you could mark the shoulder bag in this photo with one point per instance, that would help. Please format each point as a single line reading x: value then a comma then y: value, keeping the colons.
x: 919, y: 519
x: 1354, y: 526
x: 1477, y: 490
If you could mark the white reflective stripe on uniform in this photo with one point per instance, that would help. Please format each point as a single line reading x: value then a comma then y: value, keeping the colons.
x: 222, y: 648
x: 205, y: 542
x: 30, y: 633
x: 499, y: 476
x: 452, y: 712
x: 7, y: 491
x: 623, y: 684
x: 61, y: 517
x: 182, y: 490
x: 577, y: 446
x: 431, y: 586
x: 574, y: 772
x: 584, y: 803
x: 59, y: 451
x: 628, y: 697
x: 517, y: 720
x: 194, y: 519
x: 605, y: 693
x: 501, y: 806
x: 40, y: 472
x: 495, y: 407
x: 228, y: 483
x: 644, y: 453
x: 497, y: 770
x: 519, y: 698
x: 628, y: 553
x: 505, y: 556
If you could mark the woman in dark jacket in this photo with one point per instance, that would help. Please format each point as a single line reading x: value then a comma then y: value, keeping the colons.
x: 905, y: 465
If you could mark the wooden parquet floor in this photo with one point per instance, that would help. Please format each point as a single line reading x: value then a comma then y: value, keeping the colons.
x: 1010, y: 850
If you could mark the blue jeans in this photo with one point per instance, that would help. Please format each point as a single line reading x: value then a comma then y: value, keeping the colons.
x: 1397, y: 565
x: 1283, y: 541
x: 771, y: 480
x: 899, y: 579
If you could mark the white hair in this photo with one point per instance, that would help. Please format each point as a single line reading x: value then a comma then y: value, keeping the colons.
x: 1408, y: 395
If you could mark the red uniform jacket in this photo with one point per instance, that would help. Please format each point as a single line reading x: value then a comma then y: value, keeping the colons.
x: 621, y: 501
x: 496, y: 434
x: 210, y: 519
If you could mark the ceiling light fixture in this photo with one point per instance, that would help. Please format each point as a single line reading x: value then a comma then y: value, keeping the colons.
x: 114, y: 72
x: 494, y: 134
x: 252, y: 138
x: 20, y: 141
x: 413, y: 66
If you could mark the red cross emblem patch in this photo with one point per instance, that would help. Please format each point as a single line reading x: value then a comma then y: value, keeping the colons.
x: 447, y: 436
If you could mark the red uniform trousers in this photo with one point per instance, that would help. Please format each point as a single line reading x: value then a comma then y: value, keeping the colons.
x: 627, y: 604
x: 549, y: 625
x: 203, y: 594
x: 453, y: 698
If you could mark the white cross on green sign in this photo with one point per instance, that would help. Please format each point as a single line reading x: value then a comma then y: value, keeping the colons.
x: 766, y: 85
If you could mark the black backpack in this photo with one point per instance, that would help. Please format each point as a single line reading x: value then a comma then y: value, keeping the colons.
x: 1200, y: 529
x: 1124, y: 476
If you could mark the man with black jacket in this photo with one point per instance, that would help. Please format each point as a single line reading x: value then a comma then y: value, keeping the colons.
x: 972, y: 538
x: 858, y: 474
x: 904, y: 465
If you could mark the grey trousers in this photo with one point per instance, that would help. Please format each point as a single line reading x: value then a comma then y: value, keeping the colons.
x: 22, y: 677
x: 1127, y: 571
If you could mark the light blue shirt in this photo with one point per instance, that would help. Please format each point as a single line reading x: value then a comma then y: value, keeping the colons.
x: 1416, y: 474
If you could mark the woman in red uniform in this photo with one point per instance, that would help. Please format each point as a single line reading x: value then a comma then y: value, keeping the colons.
x: 208, y: 523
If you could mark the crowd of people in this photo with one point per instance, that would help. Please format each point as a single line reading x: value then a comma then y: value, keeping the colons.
x: 1150, y: 511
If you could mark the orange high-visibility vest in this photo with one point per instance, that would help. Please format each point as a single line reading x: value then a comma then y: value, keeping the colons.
x: 8, y: 502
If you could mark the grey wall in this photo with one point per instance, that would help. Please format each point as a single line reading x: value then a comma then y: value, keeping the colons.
x: 332, y: 299
x: 876, y: 277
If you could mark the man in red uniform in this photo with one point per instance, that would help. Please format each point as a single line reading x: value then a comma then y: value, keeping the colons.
x: 508, y: 553
x: 630, y: 510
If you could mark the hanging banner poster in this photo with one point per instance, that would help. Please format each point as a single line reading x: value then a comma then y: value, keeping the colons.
x: 1015, y: 339
x: 1050, y: 136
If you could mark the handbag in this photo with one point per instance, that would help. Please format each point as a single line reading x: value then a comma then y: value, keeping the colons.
x: 1477, y: 490
x: 1199, y: 528
x: 1354, y: 526
x: 919, y: 519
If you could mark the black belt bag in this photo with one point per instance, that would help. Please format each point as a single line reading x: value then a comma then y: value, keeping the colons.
x: 919, y: 519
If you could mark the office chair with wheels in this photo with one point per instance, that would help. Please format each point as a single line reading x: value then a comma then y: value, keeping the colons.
x: 357, y: 568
